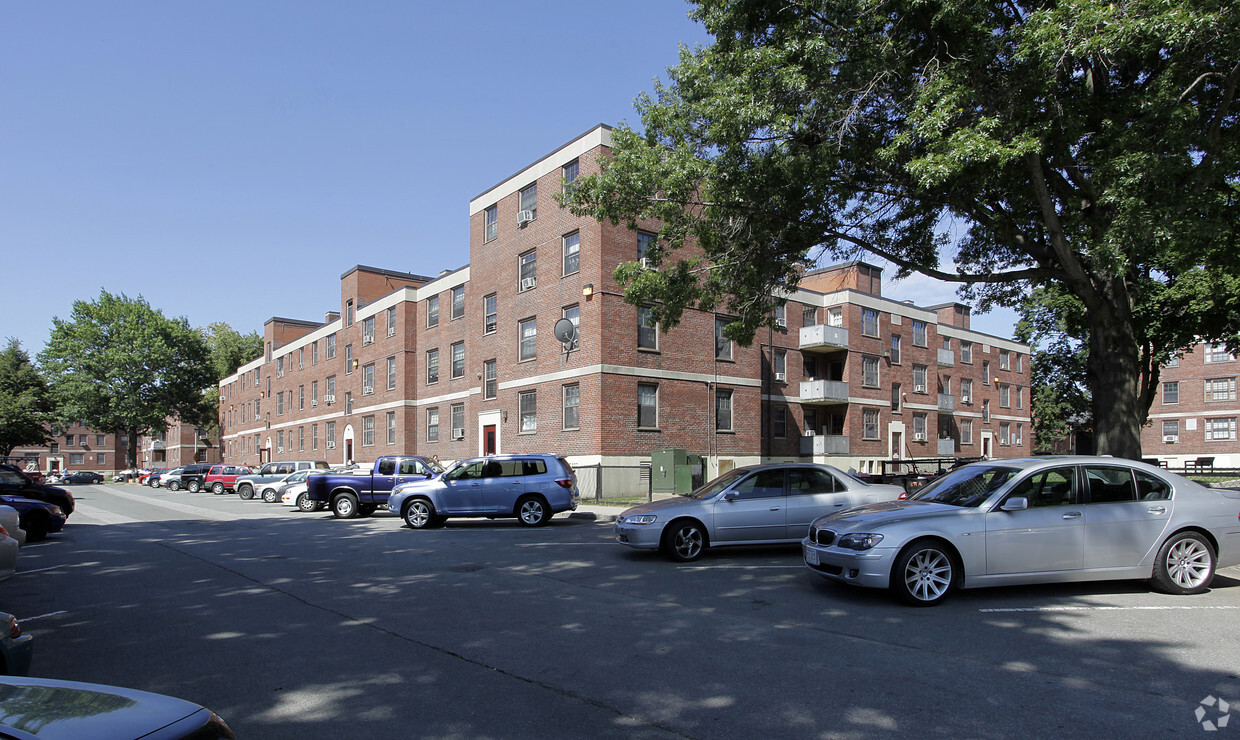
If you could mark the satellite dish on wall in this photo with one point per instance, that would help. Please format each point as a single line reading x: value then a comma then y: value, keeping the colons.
x: 565, y: 331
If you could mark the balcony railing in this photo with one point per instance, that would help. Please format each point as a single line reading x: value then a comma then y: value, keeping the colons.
x: 821, y: 336
x: 947, y: 447
x: 824, y: 391
x: 824, y: 444
x: 947, y: 358
x: 947, y: 402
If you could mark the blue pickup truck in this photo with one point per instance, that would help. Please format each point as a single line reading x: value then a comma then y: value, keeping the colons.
x: 359, y: 492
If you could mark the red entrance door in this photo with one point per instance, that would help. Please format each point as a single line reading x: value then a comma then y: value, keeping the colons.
x: 488, y: 440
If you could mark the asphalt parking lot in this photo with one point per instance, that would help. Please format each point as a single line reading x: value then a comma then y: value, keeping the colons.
x: 298, y: 625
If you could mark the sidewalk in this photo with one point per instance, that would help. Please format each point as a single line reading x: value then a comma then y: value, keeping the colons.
x: 596, y: 512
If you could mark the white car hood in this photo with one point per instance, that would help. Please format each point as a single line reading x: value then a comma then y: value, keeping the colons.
x: 886, y: 513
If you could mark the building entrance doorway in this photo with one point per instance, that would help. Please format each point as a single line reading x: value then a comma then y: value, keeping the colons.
x: 489, y: 440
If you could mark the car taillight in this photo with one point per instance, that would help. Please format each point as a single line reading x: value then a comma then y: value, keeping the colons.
x: 15, y: 629
x: 565, y: 482
x: 4, y: 531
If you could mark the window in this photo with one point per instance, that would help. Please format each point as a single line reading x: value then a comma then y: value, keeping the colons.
x: 723, y: 345
x: 490, y: 319
x: 527, y: 268
x: 986, y: 411
x: 895, y: 397
x: 869, y: 372
x: 919, y: 378
x: 1005, y: 433
x: 331, y: 388
x: 869, y: 322
x: 368, y: 330
x: 1218, y: 353
x: 348, y: 313
x: 391, y: 427
x: 966, y: 390
x: 647, y: 406
x: 458, y: 421
x: 314, y: 353
x: 391, y: 321
x: 1171, y: 392
x: 645, y: 240
x: 1221, y: 429
x: 528, y: 340
x: 458, y: 302
x: 647, y: 332
x: 279, y: 367
x: 314, y: 436
x: 1005, y: 396
x: 348, y: 359
x: 529, y: 200
x: 723, y: 411
x: 280, y: 403
x: 331, y: 346
x: 527, y: 403
x: 573, y: 314
x: 391, y: 373
x: 1221, y: 389
x: 68, y: 440
x: 368, y: 379
x: 432, y: 366
x: 458, y: 360
x: 101, y: 458
x: 490, y: 220
x: 77, y: 458
x: 809, y: 316
x: 919, y: 427
x: 569, y: 174
x: 301, y: 397
x: 572, y: 406
x: 368, y: 431
x: 1171, y: 428
x: 895, y: 349
x: 432, y: 311
x: 811, y: 421
x: 348, y: 402
x: 280, y: 441
x: 869, y: 424
x: 432, y: 424
x: 1005, y: 362
x: 780, y: 421
x: 1019, y: 363
x: 781, y: 316
x: 1020, y: 399
x: 572, y: 253
x: 966, y: 432
x: 966, y: 352
x: 301, y: 359
x: 490, y: 378
x: 99, y: 441
x: 779, y: 365
x: 985, y: 372
x: 301, y: 438
x: 835, y: 317
x: 919, y: 334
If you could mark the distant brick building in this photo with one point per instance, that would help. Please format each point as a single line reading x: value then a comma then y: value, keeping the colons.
x: 180, y: 444
x: 76, y: 447
x: 466, y: 362
x: 1194, y: 414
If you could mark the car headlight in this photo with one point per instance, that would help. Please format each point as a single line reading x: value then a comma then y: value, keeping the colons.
x: 639, y: 519
x: 859, y: 541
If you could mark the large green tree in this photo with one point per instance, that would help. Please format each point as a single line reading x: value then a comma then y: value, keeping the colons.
x: 25, y: 407
x: 228, y: 350
x: 1083, y: 146
x: 121, y: 366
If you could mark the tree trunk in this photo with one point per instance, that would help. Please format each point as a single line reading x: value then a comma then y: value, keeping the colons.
x: 131, y: 453
x: 1114, y: 369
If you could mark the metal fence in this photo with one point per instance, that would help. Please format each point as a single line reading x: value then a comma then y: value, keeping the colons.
x: 613, y: 482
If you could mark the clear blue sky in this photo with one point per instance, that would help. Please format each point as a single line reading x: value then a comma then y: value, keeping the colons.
x: 228, y: 160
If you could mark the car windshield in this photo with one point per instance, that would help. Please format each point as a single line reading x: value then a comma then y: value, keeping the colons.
x: 297, y: 477
x: 969, y: 486
x: 718, y: 484
x: 434, y: 466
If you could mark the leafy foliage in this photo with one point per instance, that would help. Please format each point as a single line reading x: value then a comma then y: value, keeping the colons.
x: 24, y: 404
x: 1087, y: 146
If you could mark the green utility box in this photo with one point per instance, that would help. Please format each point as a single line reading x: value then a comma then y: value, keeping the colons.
x: 674, y: 471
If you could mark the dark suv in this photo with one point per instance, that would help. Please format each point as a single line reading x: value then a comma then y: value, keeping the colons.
x: 193, y: 477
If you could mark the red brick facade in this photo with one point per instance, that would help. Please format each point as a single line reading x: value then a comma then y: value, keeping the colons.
x: 1195, y: 412
x: 75, y: 448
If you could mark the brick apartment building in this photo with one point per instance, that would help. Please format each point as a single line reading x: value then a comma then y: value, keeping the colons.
x: 1194, y: 413
x: 180, y: 444
x: 466, y: 362
x: 74, y: 448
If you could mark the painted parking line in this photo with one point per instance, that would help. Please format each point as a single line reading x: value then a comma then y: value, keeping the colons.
x: 36, y: 570
x: 1100, y: 608
x: 741, y: 567
x: 23, y: 620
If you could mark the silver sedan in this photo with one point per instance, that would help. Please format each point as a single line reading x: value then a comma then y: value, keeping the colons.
x: 754, y: 505
x: 1037, y: 520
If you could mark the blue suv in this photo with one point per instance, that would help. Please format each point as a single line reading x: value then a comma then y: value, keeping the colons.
x: 531, y: 488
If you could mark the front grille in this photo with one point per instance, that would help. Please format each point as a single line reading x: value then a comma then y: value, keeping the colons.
x: 824, y: 537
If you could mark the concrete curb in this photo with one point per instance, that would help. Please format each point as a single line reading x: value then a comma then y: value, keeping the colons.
x: 595, y: 513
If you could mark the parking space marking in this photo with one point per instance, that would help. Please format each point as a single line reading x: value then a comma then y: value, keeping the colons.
x: 739, y: 567
x: 1100, y: 608
x: 36, y: 570
x: 41, y: 616
x: 199, y: 511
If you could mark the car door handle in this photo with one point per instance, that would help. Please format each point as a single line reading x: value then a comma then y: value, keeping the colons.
x: 839, y: 503
x: 774, y: 508
x: 1158, y: 510
x: 1072, y: 515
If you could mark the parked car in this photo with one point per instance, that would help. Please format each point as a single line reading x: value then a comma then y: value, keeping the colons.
x: 1035, y: 520
x: 752, y: 505
x: 293, y: 492
x: 144, y: 478
x: 8, y: 555
x: 38, y: 518
x: 193, y: 478
x: 360, y: 491
x: 16, y: 649
x: 532, y: 488
x: 81, y: 477
x: 162, y: 480
x: 44, y: 707
x: 221, y: 478
x: 270, y: 475
x: 11, y: 522
x: 15, y: 482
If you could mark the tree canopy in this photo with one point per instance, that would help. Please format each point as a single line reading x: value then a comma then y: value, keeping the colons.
x: 121, y: 366
x: 24, y: 404
x: 1084, y: 147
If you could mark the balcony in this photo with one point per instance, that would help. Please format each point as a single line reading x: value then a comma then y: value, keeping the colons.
x: 824, y: 391
x: 823, y: 338
x: 947, y: 402
x: 947, y: 358
x: 824, y: 444
x: 947, y: 447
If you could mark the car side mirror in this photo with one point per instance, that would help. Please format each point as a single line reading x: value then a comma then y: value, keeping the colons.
x: 730, y: 496
x: 1016, y: 503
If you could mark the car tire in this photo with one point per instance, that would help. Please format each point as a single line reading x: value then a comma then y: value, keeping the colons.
x: 344, y: 506
x: 1185, y: 565
x: 217, y: 488
x: 194, y: 486
x: 36, y: 525
x: 270, y: 495
x: 246, y: 492
x: 174, y: 486
x: 532, y: 511
x: 420, y: 514
x: 684, y: 541
x: 305, y: 504
x: 925, y: 573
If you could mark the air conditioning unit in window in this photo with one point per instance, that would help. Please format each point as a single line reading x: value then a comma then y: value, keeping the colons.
x: 919, y: 437
x: 779, y: 377
x: 919, y: 389
x: 329, y: 399
x: 645, y: 263
x: 528, y: 283
x: 314, y: 402
x: 781, y: 323
x: 331, y: 445
x: 1171, y: 438
x: 524, y: 217
x: 458, y: 434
